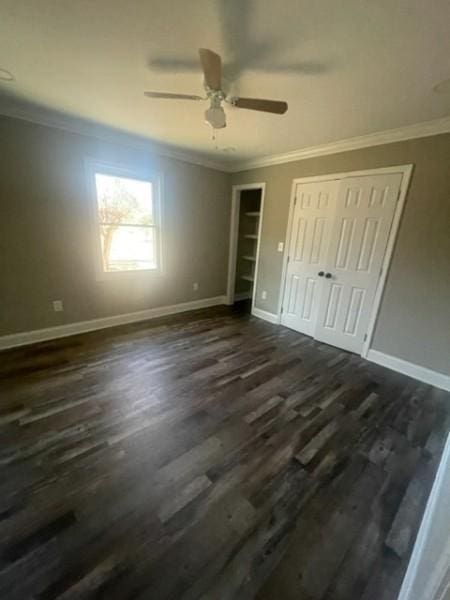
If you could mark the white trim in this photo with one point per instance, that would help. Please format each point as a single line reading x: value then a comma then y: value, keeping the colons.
x: 360, y: 173
x: 234, y: 229
x: 267, y: 316
x: 406, y: 171
x: 439, y: 380
x: 389, y: 136
x: 258, y: 246
x: 50, y: 333
x: 436, y: 513
x: 107, y: 133
x: 92, y: 166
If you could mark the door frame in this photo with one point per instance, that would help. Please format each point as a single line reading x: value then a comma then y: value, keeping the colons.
x: 234, y: 230
x: 406, y: 172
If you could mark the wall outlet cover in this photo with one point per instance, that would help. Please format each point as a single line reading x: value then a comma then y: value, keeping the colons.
x: 58, y: 305
x: 195, y: 286
x: 264, y: 295
x: 280, y: 246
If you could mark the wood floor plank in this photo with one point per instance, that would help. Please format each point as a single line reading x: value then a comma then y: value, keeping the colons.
x: 209, y: 455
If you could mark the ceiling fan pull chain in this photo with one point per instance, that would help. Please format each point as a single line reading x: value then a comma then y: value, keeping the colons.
x: 214, y: 139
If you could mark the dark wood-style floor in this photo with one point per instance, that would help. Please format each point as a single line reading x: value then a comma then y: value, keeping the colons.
x: 209, y: 455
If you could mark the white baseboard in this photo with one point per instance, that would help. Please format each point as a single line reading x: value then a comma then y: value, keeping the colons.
x: 267, y: 316
x: 50, y: 333
x: 428, y: 566
x: 407, y: 368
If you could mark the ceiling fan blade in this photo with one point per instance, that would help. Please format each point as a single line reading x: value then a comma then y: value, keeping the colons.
x: 212, y: 68
x: 272, y: 106
x: 170, y: 96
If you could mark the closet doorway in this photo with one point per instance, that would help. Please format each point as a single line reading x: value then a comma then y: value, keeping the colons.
x: 247, y: 206
x: 341, y: 234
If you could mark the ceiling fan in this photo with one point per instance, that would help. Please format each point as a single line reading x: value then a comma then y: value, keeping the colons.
x: 215, y: 115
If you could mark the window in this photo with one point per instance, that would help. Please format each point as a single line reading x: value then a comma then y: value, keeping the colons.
x: 127, y: 214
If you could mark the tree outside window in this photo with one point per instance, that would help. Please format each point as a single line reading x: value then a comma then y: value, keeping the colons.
x: 126, y: 223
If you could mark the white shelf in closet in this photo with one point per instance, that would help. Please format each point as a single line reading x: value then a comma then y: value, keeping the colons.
x: 247, y: 277
x: 253, y: 214
x: 251, y: 258
x: 251, y: 236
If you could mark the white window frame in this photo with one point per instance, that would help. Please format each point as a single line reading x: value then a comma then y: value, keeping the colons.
x: 94, y: 167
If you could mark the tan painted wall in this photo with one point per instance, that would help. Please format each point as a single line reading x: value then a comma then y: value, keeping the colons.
x: 414, y: 320
x: 47, y: 249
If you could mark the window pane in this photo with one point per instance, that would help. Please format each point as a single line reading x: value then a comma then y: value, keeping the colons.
x: 128, y: 248
x: 122, y: 200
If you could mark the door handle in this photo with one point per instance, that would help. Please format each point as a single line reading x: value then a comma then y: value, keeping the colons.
x: 328, y: 275
x: 321, y: 273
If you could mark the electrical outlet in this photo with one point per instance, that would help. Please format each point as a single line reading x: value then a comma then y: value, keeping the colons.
x: 195, y: 286
x: 280, y: 246
x: 58, y: 305
x: 264, y: 295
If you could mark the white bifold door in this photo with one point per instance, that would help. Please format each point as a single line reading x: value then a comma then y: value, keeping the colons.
x: 338, y: 238
x: 307, y: 253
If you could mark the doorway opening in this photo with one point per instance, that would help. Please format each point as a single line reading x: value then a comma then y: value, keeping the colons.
x: 245, y: 234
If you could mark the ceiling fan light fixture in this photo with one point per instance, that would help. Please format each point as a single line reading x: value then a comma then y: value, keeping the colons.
x: 215, y: 116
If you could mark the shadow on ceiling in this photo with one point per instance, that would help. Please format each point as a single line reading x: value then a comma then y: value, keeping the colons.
x: 243, y: 52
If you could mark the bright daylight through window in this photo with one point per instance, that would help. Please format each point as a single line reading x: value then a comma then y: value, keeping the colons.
x: 127, y: 224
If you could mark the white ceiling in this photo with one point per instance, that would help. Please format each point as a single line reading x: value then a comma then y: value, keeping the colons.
x: 345, y: 68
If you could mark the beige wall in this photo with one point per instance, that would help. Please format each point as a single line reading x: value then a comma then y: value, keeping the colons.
x: 414, y: 319
x: 47, y: 246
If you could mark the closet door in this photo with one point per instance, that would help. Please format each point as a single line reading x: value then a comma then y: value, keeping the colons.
x: 309, y: 239
x: 363, y: 218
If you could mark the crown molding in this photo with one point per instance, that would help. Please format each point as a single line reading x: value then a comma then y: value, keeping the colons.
x: 104, y: 133
x: 57, y: 120
x: 389, y: 136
